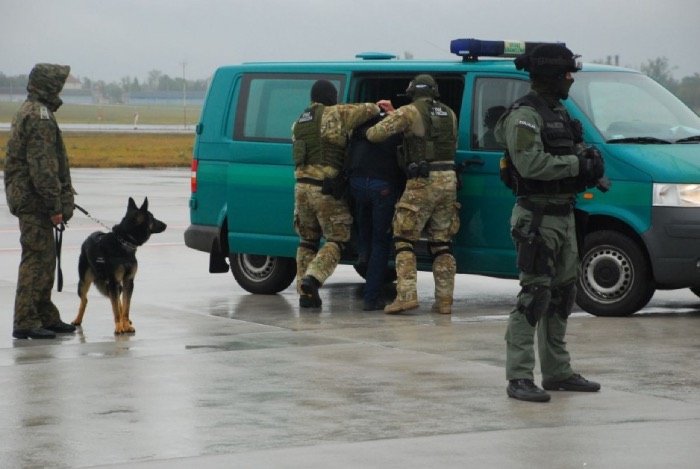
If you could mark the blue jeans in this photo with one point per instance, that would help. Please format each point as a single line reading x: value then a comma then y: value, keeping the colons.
x: 374, y: 210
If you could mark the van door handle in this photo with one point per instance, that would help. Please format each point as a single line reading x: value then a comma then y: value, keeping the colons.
x: 468, y: 162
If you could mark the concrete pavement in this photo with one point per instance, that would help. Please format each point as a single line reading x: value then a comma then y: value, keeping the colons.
x: 216, y: 377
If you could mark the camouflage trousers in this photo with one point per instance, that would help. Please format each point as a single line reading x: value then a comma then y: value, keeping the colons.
x: 315, y: 216
x: 428, y: 204
x: 549, y: 295
x: 33, y: 305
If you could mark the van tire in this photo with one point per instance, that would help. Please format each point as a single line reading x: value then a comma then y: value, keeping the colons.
x: 264, y: 275
x: 615, y: 276
x: 695, y: 290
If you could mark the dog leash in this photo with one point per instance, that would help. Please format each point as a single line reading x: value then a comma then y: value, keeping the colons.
x: 91, y: 217
x: 122, y: 241
x: 58, y: 238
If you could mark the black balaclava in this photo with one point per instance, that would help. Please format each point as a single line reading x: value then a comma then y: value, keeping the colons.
x: 324, y: 92
x: 548, y: 65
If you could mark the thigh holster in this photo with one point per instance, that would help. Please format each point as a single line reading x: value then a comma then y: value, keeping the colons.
x: 562, y: 302
x: 533, y: 302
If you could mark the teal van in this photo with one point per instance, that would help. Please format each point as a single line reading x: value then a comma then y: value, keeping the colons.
x: 642, y: 235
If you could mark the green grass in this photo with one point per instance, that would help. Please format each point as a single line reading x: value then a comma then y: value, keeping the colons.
x: 113, y: 114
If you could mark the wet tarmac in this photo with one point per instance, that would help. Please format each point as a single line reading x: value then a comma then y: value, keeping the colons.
x: 217, y: 377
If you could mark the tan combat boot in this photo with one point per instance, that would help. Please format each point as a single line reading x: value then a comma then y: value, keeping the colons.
x: 401, y: 305
x: 442, y: 306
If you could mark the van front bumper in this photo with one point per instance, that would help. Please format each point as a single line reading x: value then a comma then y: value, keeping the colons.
x: 674, y: 246
x: 201, y: 237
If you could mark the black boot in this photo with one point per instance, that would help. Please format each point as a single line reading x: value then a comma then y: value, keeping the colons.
x: 36, y: 333
x: 61, y: 328
x: 526, y: 390
x: 575, y: 382
x: 309, y: 297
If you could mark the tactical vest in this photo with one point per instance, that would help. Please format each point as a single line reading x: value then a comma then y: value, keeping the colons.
x: 438, y: 144
x: 559, y: 135
x: 309, y: 147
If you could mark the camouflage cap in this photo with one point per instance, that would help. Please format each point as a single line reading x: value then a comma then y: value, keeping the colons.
x: 48, y: 78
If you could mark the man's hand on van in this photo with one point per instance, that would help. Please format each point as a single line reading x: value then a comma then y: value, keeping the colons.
x: 386, y: 106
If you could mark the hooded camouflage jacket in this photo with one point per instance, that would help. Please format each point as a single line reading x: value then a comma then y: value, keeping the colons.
x: 37, y: 174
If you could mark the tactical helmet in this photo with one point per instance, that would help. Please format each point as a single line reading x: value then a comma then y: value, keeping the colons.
x: 548, y: 60
x: 422, y: 85
x: 324, y: 92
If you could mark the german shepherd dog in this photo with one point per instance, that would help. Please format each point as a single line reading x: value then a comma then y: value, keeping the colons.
x: 109, y: 261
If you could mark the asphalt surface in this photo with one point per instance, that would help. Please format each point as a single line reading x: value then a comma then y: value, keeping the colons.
x: 217, y: 377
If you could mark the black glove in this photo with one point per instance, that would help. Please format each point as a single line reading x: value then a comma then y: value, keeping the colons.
x: 591, y: 166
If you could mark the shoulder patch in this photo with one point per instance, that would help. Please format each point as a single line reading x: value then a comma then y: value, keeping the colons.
x: 527, y: 125
x: 305, y: 117
x: 438, y: 111
x: 44, y: 113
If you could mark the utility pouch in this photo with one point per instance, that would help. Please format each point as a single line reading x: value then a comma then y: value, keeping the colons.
x: 299, y: 152
x: 335, y: 187
x: 328, y: 186
x: 340, y: 186
x: 505, y: 172
x: 401, y: 156
x: 533, y: 254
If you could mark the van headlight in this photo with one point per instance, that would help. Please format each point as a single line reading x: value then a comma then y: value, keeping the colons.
x: 676, y: 195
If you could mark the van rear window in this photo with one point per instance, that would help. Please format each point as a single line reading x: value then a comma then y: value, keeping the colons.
x: 270, y: 103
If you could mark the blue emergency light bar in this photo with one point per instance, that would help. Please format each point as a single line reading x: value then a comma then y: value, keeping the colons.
x: 472, y: 49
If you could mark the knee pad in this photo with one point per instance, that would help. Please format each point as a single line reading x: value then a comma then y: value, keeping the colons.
x: 438, y: 248
x: 340, y: 246
x: 533, y: 302
x: 311, y: 245
x: 402, y: 244
x: 563, y: 298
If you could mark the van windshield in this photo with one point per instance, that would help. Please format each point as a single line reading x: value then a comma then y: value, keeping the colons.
x: 633, y: 108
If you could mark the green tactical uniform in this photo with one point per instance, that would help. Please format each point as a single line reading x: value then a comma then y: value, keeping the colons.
x: 429, y: 200
x: 38, y: 186
x: 548, y: 289
x: 545, y: 165
x: 319, y: 139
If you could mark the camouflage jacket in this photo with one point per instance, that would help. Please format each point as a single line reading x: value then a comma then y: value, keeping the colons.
x: 406, y: 120
x: 337, y: 123
x: 37, y: 173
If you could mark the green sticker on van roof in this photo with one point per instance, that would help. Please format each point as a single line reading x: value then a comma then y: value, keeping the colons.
x: 513, y: 47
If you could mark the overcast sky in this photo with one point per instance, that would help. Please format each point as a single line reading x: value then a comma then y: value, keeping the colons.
x: 110, y: 39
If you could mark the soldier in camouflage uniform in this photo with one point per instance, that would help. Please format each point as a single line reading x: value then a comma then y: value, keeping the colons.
x: 39, y: 192
x: 545, y: 165
x: 320, y: 209
x: 429, y: 130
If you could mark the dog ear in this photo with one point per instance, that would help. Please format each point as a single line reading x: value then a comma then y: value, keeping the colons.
x: 132, y: 204
x: 145, y: 204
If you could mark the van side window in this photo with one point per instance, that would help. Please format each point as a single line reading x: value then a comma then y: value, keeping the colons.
x: 269, y: 104
x: 492, y: 96
x: 371, y: 88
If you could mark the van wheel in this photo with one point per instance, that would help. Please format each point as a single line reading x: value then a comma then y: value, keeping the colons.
x: 265, y: 275
x: 615, y: 275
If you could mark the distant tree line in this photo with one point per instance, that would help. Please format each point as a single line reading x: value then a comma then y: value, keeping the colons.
x: 116, y: 92
x: 687, y: 89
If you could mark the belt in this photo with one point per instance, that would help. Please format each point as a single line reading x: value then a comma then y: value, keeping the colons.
x: 313, y: 182
x: 557, y: 210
